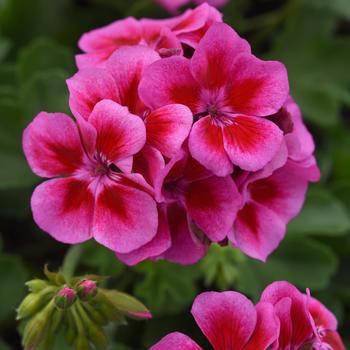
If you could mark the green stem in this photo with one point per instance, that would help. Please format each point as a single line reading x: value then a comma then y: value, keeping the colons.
x: 71, y: 260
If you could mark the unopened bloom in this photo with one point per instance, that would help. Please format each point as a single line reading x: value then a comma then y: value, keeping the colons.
x: 229, y: 90
x: 65, y: 298
x: 86, y: 290
x: 96, y: 194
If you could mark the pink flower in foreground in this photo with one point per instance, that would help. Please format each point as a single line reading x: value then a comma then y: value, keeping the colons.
x: 173, y: 6
x: 99, y: 44
x: 298, y: 314
x: 94, y: 194
x: 228, y: 90
x: 283, y: 320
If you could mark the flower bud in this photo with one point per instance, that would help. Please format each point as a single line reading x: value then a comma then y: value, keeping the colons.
x: 65, y: 298
x: 81, y: 343
x: 36, y: 285
x: 29, y: 306
x: 87, y: 290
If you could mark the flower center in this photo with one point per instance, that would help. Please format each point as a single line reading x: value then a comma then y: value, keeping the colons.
x: 173, y: 190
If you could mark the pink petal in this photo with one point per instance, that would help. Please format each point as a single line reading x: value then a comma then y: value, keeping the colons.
x: 125, y: 217
x: 333, y: 340
x: 283, y: 192
x: 267, y: 328
x: 300, y: 142
x: 149, y: 162
x: 185, y: 246
x: 257, y: 87
x: 217, y: 3
x: 115, y: 125
x: 322, y: 317
x: 169, y: 81
x: 107, y: 39
x: 176, y: 341
x: 301, y: 325
x: 283, y: 312
x: 52, y: 145
x: 64, y: 208
x: 211, y: 64
x: 126, y: 66
x: 212, y: 204
x: 168, y: 127
x: 167, y: 40
x: 87, y: 88
x: 206, y: 145
x: 91, y: 60
x: 160, y: 243
x: 227, y: 319
x: 257, y: 231
x: 251, y: 142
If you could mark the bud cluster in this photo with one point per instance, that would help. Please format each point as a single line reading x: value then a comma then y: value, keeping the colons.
x: 78, y: 308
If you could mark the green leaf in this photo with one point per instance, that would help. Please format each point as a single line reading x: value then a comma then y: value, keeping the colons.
x: 5, y: 46
x: 45, y: 91
x: 15, y: 172
x: 301, y: 261
x: 13, y: 276
x: 166, y: 288
x: 43, y: 55
x: 125, y: 302
x: 4, y: 346
x: 323, y: 214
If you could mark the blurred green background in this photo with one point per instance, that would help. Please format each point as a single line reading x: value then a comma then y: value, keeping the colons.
x: 38, y: 40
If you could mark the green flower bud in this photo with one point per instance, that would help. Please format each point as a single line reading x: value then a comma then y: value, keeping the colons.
x: 82, y: 343
x: 65, y: 298
x: 96, y: 315
x: 86, y: 290
x: 36, y: 328
x: 33, y: 302
x: 36, y: 285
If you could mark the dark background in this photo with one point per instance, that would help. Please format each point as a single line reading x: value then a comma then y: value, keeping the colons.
x: 38, y: 40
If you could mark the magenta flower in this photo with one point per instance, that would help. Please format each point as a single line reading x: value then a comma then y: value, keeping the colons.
x: 228, y: 90
x: 298, y: 314
x: 166, y: 127
x: 99, y: 44
x: 284, y: 319
x: 189, y: 194
x: 229, y: 321
x: 94, y: 194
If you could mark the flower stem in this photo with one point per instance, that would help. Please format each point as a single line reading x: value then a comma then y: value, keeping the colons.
x: 71, y: 260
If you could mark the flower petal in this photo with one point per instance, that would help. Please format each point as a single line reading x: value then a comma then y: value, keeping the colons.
x: 126, y: 66
x: 176, y: 341
x: 333, y: 340
x: 168, y: 127
x: 108, y: 38
x: 52, y: 145
x: 64, y: 208
x: 283, y: 192
x: 212, y: 62
x: 322, y: 317
x: 160, y: 243
x: 267, y: 328
x: 257, y: 87
x: 228, y: 319
x: 206, y: 145
x: 257, y: 231
x: 169, y: 81
x: 185, y: 246
x: 115, y: 125
x: 251, y: 142
x: 125, y: 217
x: 301, y: 324
x: 87, y: 88
x: 212, y: 204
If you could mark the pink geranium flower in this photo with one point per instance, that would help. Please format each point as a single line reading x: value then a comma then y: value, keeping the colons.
x: 166, y: 127
x: 99, y: 44
x: 94, y: 193
x: 229, y: 321
x: 298, y: 314
x: 228, y: 90
x: 284, y: 319
x: 190, y: 195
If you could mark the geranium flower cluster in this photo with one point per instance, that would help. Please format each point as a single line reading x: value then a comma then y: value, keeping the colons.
x: 181, y: 137
x: 283, y: 319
